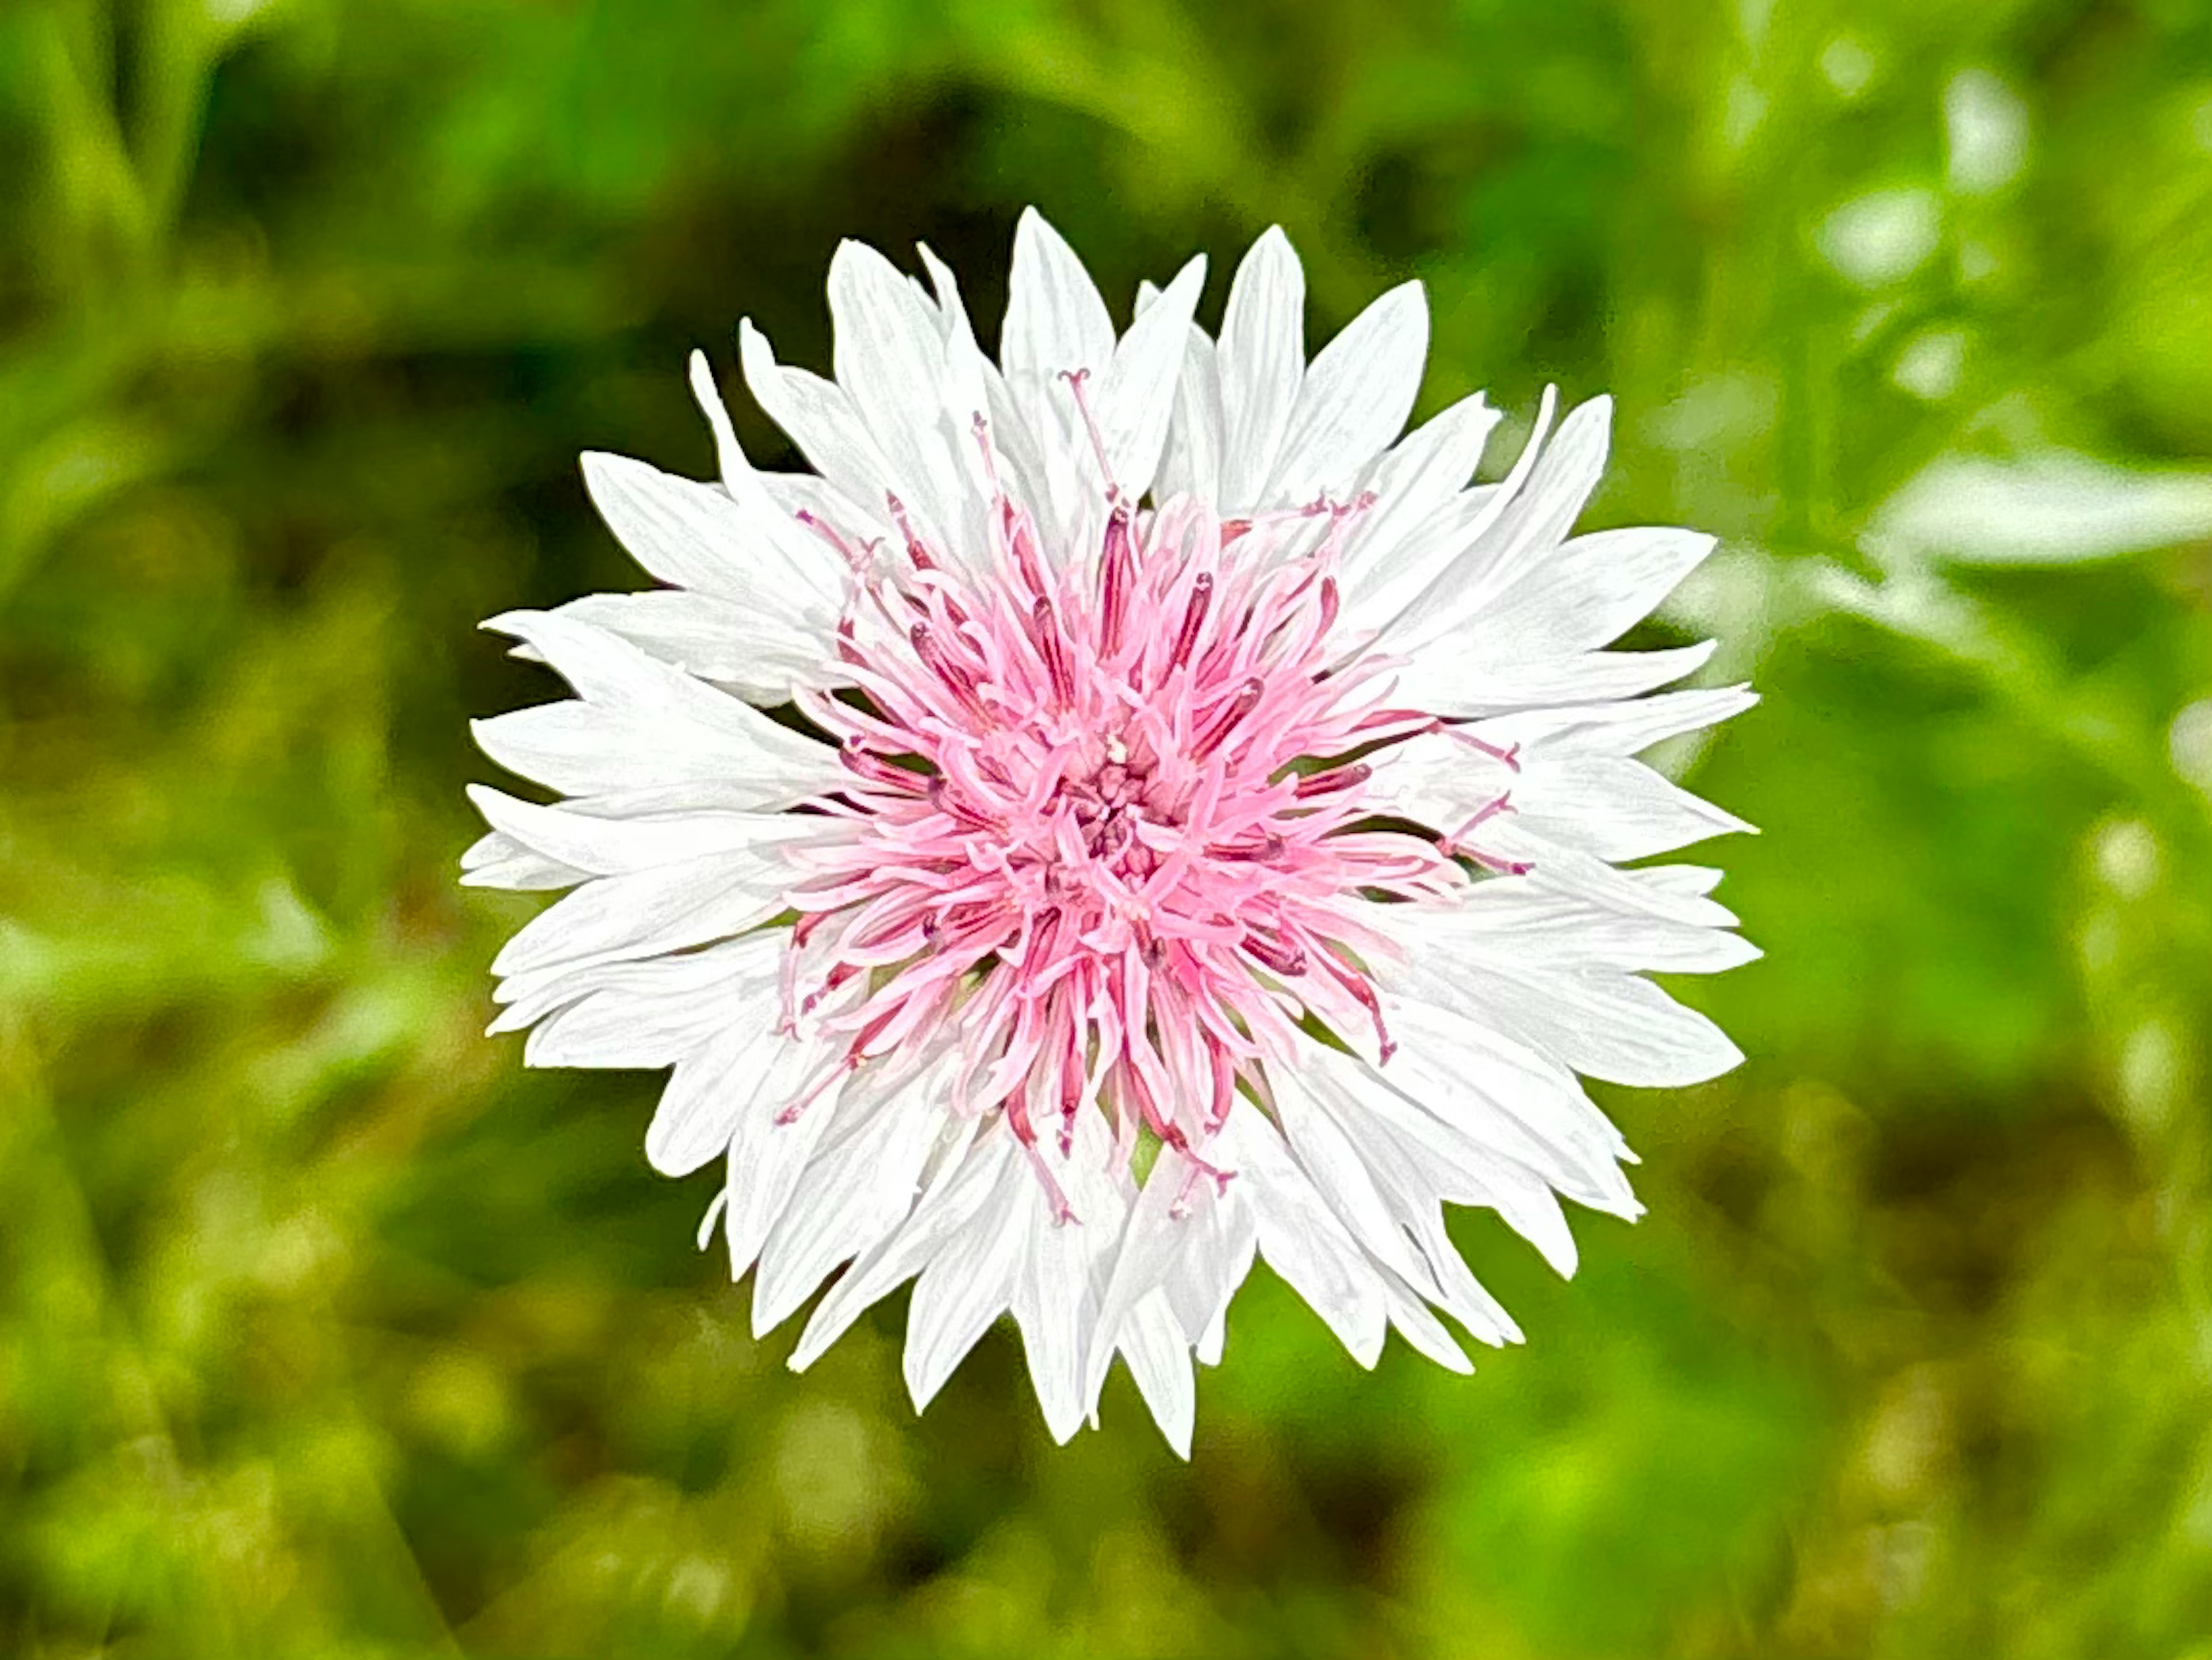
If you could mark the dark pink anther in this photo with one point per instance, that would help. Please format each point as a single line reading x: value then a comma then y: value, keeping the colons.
x: 1336, y: 778
x: 1117, y: 562
x: 1071, y: 1087
x: 866, y: 763
x: 1044, y: 933
x: 1491, y: 861
x: 915, y: 551
x: 1284, y: 959
x: 1262, y: 851
x: 1194, y: 618
x: 957, y: 678
x: 1021, y: 536
x: 949, y: 801
x: 1044, y: 630
x: 1247, y: 699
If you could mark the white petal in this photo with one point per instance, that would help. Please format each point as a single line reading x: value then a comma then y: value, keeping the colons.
x: 1302, y: 1240
x: 1217, y: 1335
x: 1416, y: 1161
x: 714, y: 639
x: 1136, y: 394
x: 1183, y: 1239
x: 1421, y: 1328
x: 1466, y: 544
x: 1055, y: 321
x: 1611, y: 806
x: 1589, y: 592
x: 733, y: 542
x: 1056, y: 326
x: 493, y: 860
x: 729, y: 454
x: 635, y: 1019
x: 648, y: 912
x: 643, y: 722
x: 768, y: 1150
x: 963, y: 1289
x: 1191, y: 463
x: 1262, y: 360
x: 820, y: 418
x: 1354, y: 400
x: 698, y: 993
x: 1413, y: 483
x: 1506, y: 1097
x: 890, y: 359
x: 1159, y: 1356
x: 611, y: 845
x: 951, y: 1201
x: 746, y: 1074
x: 1604, y: 1025
x: 1464, y: 684
x: 861, y: 1186
x: 1624, y: 727
x: 1534, y: 920
x: 1334, y: 1164
x: 1065, y: 1266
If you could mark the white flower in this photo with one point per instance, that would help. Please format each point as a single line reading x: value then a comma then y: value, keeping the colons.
x: 996, y: 966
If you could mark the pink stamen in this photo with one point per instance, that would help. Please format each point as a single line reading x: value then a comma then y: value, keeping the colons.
x: 1045, y: 630
x: 1335, y: 779
x: 814, y: 1091
x: 915, y: 551
x: 1482, y: 815
x: 1194, y: 616
x: 1085, y: 852
x: 1115, y: 562
x: 1286, y: 959
x: 1076, y: 380
x: 872, y: 767
x: 855, y: 556
x: 1266, y: 850
x: 1246, y: 700
x: 956, y: 677
x: 1508, y: 758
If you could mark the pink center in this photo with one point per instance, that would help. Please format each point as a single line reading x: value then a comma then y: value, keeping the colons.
x: 1104, y: 825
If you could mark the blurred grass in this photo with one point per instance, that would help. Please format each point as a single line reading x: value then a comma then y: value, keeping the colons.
x: 330, y: 1331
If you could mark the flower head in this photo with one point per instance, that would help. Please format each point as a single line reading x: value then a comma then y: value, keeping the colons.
x: 1188, y: 828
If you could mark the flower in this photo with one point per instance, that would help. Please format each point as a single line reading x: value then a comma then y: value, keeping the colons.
x: 1125, y: 811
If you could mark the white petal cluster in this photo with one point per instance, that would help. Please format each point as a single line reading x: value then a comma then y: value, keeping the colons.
x: 676, y: 845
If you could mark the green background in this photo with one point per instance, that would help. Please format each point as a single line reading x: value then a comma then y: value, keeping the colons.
x: 327, y: 1329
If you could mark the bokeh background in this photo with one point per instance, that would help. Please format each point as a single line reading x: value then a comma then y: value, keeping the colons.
x: 325, y: 1329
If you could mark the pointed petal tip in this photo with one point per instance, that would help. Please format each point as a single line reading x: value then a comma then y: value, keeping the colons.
x: 512, y: 624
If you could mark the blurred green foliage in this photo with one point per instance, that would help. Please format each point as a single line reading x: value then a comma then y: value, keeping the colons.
x: 328, y: 1330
